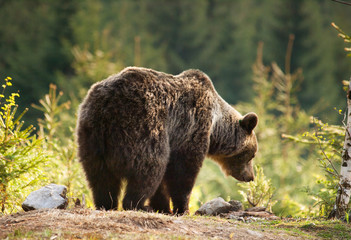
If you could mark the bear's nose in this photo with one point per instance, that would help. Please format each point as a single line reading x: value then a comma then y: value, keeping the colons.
x: 249, y: 178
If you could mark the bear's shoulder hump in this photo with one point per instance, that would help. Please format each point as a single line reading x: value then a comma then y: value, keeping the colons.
x: 199, y: 76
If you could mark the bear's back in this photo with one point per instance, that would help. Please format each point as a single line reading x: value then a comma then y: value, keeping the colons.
x: 143, y: 102
x: 145, y: 78
x: 144, y: 86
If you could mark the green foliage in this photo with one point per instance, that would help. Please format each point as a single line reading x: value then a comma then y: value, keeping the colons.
x: 57, y: 130
x: 32, y: 45
x: 51, y: 107
x: 93, y: 39
x: 309, y: 22
x: 258, y: 193
x: 29, y: 160
x: 21, y: 155
x: 328, y: 140
x: 344, y: 36
x: 90, y: 67
x: 285, y: 163
x: 171, y: 36
x: 276, y: 104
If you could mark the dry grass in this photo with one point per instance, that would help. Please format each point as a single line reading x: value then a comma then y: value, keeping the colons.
x: 92, y: 224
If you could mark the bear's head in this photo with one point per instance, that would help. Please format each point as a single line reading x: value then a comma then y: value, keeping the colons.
x: 239, y: 163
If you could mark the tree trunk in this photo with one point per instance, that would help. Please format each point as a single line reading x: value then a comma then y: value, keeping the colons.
x: 344, y: 191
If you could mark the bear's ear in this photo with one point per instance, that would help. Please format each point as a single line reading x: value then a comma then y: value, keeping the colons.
x: 249, y: 122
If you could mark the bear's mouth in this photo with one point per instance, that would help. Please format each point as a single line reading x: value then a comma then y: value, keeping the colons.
x: 248, y: 178
x: 243, y: 177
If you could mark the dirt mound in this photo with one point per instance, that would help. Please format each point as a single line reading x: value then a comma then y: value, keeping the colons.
x: 92, y: 224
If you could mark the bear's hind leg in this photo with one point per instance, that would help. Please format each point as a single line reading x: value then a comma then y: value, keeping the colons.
x: 142, y: 186
x: 160, y: 200
x: 106, y: 188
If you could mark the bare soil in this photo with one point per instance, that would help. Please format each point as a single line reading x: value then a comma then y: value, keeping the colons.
x: 82, y: 223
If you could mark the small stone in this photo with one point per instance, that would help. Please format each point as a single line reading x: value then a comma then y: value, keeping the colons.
x: 215, y: 207
x: 50, y: 196
x: 238, y: 206
x: 309, y: 225
x: 254, y: 233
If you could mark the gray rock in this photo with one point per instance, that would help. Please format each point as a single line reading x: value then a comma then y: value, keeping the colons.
x: 50, y: 196
x: 215, y: 207
x: 238, y: 206
x: 254, y: 234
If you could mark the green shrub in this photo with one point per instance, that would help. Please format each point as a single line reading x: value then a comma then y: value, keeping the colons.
x: 21, y: 155
x: 328, y: 140
x: 258, y: 193
x: 57, y: 128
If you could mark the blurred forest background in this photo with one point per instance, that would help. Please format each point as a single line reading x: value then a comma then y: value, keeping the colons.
x: 281, y: 59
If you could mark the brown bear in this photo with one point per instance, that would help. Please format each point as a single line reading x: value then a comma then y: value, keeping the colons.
x: 154, y: 130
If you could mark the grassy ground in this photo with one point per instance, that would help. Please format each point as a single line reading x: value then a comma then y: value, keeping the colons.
x: 91, y: 224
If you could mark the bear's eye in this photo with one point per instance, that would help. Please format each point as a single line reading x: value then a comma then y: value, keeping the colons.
x: 250, y: 156
x: 253, y: 155
x: 243, y: 156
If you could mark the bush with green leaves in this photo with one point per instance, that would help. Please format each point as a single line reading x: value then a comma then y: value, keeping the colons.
x: 57, y: 128
x: 258, y: 193
x: 30, y: 159
x: 328, y: 141
x: 21, y: 156
x: 345, y: 37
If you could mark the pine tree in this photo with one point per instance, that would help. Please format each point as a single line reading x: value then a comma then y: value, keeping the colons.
x: 314, y: 49
x: 32, y: 38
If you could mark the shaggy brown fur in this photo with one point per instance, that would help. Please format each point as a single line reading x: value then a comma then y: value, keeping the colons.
x: 154, y: 130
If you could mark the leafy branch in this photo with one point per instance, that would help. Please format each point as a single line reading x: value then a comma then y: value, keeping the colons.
x: 342, y: 2
x: 20, y: 152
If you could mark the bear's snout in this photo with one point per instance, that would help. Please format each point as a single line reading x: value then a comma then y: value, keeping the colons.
x: 245, y: 175
x: 249, y: 178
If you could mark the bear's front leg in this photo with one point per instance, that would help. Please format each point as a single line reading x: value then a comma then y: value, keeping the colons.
x: 180, y: 178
